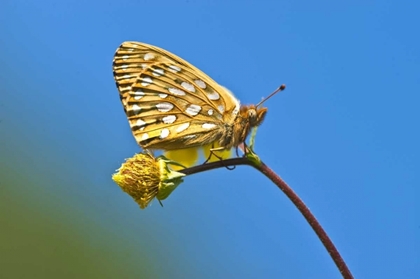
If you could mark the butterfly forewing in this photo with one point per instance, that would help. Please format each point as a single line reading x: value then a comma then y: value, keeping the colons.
x: 170, y: 103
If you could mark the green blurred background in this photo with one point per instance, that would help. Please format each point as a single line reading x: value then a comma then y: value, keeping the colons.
x: 43, y: 235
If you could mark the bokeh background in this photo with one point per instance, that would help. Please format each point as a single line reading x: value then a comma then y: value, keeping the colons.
x: 344, y: 135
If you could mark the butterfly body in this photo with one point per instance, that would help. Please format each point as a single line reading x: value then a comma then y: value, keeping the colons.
x: 171, y: 105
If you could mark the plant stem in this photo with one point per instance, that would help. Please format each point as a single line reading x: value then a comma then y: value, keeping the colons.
x: 282, y: 185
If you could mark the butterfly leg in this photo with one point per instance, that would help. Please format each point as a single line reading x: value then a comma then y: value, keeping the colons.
x: 212, y: 149
x: 213, y: 153
x: 244, y: 148
x: 149, y: 151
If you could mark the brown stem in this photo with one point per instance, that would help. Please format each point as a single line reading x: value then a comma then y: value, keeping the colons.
x: 313, y: 222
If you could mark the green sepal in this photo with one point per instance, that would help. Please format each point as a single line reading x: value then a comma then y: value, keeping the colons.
x: 253, y: 157
x: 169, y: 178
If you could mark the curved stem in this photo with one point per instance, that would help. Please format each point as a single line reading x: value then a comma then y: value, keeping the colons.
x: 282, y: 185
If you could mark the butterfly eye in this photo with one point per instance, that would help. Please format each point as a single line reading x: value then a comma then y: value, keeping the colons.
x: 252, y: 116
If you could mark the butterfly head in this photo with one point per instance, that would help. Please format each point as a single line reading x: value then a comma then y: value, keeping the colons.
x: 254, y: 115
x: 249, y: 117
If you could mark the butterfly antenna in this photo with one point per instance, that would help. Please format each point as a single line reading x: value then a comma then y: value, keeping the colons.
x: 281, y: 88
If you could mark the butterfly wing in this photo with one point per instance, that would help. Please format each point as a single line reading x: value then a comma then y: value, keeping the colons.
x: 170, y: 104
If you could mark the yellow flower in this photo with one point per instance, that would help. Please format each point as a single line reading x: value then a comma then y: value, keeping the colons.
x: 144, y: 177
x: 189, y: 156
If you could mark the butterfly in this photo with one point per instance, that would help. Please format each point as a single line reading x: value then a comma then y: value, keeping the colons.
x: 172, y: 105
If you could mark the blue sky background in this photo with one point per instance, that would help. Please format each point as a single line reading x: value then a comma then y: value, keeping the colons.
x: 344, y: 135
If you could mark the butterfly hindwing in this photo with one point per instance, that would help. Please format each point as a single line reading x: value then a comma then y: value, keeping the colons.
x: 170, y: 104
